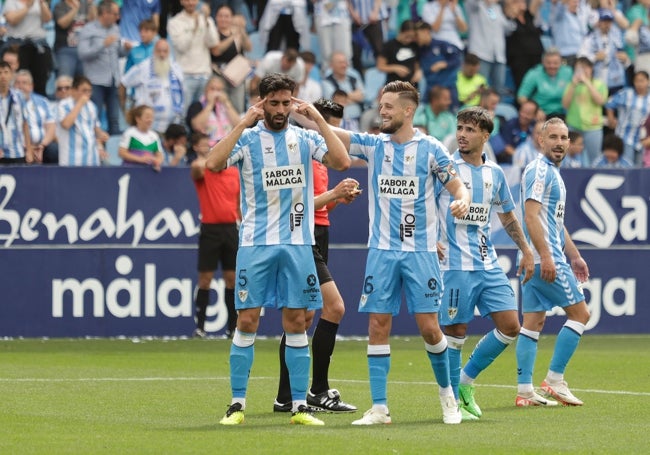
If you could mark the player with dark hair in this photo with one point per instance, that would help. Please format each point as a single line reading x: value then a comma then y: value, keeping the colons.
x: 472, y: 275
x: 320, y: 396
x: 275, y: 263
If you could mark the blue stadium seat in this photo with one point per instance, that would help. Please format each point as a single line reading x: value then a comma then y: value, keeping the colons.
x: 374, y: 81
x: 111, y: 147
x: 506, y: 111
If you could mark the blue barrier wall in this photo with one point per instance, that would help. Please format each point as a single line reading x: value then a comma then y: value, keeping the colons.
x: 112, y: 251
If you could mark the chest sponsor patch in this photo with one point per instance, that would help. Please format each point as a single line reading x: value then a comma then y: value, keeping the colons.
x: 283, y: 177
x: 478, y: 215
x: 401, y: 187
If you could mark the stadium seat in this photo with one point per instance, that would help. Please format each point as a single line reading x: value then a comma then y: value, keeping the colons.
x: 257, y: 50
x: 506, y: 111
x: 111, y: 147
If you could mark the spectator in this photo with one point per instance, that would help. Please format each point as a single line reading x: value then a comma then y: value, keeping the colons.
x: 527, y: 151
x: 143, y: 49
x: 284, y: 24
x: 436, y: 117
x: 193, y: 34
x: 612, y: 156
x: 574, y: 157
x: 15, y: 138
x: 99, y: 50
x: 140, y: 145
x: 40, y: 120
x: 439, y: 60
x: 288, y: 62
x: 333, y: 27
x: 638, y: 39
x: 25, y: 27
x: 158, y: 82
x: 367, y: 27
x: 545, y: 84
x: 62, y: 87
x: 584, y: 99
x: 233, y: 41
x: 345, y: 79
x: 470, y: 82
x: 174, y: 142
x: 569, y: 26
x: 399, y: 56
x: 516, y: 130
x: 213, y: 114
x: 645, y: 142
x: 409, y: 10
x: 309, y: 89
x: 604, y: 47
x: 133, y: 13
x: 77, y: 127
x: 447, y: 21
x: 626, y: 112
x: 524, y: 46
x: 488, y: 27
x: 69, y: 17
x: 11, y: 56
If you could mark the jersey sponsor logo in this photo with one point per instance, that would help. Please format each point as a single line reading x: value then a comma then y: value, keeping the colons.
x: 283, y: 177
x: 477, y: 215
x: 407, y: 227
x: 296, y: 216
x: 399, y: 187
x: 559, y: 211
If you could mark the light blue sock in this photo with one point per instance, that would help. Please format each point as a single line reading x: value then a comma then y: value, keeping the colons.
x: 378, y: 368
x: 242, y: 352
x: 526, y: 351
x: 439, y: 358
x: 565, y: 345
x: 296, y: 357
x: 455, y: 356
x: 486, y: 350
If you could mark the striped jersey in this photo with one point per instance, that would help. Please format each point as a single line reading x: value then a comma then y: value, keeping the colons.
x: 277, y: 187
x: 401, y: 193
x: 631, y: 110
x: 467, y: 241
x: 12, y: 118
x: 38, y: 113
x: 542, y: 182
x: 77, y: 145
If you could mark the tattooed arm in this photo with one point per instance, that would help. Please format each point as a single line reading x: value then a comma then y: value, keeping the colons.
x: 513, y: 229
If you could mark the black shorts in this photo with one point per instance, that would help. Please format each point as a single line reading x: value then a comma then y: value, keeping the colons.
x: 218, y: 243
x: 321, y: 253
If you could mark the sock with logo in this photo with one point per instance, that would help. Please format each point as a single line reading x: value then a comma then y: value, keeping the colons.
x: 487, y: 349
x: 566, y: 344
x: 378, y: 368
x: 322, y: 346
x: 202, y: 300
x: 526, y: 352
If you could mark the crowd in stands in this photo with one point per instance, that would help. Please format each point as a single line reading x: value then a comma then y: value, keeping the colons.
x: 74, y: 73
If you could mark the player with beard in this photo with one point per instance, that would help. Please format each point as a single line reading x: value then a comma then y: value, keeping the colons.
x: 555, y: 281
x: 403, y: 167
x: 472, y: 275
x: 158, y: 82
x: 275, y: 265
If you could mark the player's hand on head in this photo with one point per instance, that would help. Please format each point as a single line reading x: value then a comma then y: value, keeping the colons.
x: 255, y: 112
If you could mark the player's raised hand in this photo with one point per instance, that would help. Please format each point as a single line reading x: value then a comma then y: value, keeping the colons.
x: 254, y: 113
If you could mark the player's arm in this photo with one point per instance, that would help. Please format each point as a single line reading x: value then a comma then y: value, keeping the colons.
x: 460, y: 205
x: 578, y: 264
x: 197, y: 169
x: 218, y: 155
x: 512, y: 227
x: 532, y: 209
x: 337, y: 155
x: 345, y: 192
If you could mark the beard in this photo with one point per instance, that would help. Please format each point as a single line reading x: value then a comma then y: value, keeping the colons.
x: 274, y: 122
x: 161, y: 67
x: 391, y: 127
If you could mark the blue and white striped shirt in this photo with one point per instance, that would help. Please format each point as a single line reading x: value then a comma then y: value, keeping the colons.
x: 467, y: 241
x: 277, y: 184
x: 401, y: 193
x: 542, y: 182
x: 632, y: 110
x: 12, y: 119
x: 77, y: 145
x: 38, y: 112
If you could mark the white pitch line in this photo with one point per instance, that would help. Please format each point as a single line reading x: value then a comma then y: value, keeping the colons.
x: 265, y: 378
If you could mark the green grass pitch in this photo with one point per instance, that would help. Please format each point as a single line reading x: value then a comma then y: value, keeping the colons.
x: 155, y: 396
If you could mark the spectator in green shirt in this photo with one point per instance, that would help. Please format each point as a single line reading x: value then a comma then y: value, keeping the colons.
x: 436, y: 117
